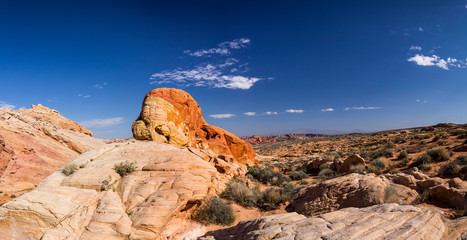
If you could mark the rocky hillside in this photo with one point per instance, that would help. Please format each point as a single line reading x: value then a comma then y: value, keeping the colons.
x: 36, y: 142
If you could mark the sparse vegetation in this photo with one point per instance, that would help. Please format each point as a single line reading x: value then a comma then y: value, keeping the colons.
x: 239, y: 192
x: 403, y: 155
x: 125, y: 168
x: 326, y: 174
x: 359, y: 168
x: 461, y: 160
x: 440, y: 154
x: 448, y: 169
x: 13, y: 196
x: 273, y: 197
x: 390, y: 195
x: 69, y: 168
x: 267, y: 175
x: 298, y: 175
x: 215, y: 211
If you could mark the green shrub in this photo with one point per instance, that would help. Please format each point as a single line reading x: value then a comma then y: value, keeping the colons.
x: 69, y: 168
x: 125, y: 168
x: 421, y: 160
x: 215, y: 211
x: 425, y: 167
x: 240, y: 193
x: 13, y: 196
x: 448, y: 169
x: 378, y: 163
x: 360, y: 168
x: 461, y: 160
x: 392, y: 169
x: 298, y: 175
x: 440, y: 154
x: 267, y: 175
x: 403, y: 155
x: 326, y: 174
x: 272, y: 197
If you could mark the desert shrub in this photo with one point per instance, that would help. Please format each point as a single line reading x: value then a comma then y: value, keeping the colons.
x: 69, y: 168
x: 421, y: 160
x: 272, y: 198
x: 392, y: 169
x: 390, y: 195
x: 378, y: 163
x: 267, y: 175
x: 400, y: 139
x: 240, y: 193
x: 461, y: 212
x: 403, y: 155
x: 304, y: 182
x: 360, y: 168
x: 390, y: 144
x: 13, y: 196
x: 326, y: 174
x: 424, y: 197
x: 298, y: 175
x: 373, y: 169
x: 125, y: 168
x: 448, y: 169
x: 425, y: 167
x: 215, y: 211
x: 440, y: 154
x: 461, y: 160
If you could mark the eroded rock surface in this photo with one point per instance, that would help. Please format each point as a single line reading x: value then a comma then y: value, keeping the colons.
x: 35, y: 142
x: 172, y: 116
x: 387, y: 221
x: 353, y: 190
x: 97, y: 203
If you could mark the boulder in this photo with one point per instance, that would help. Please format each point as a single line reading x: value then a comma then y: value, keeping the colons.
x: 172, y: 116
x: 353, y: 190
x: 97, y: 203
x: 387, y: 221
x: 36, y: 142
x: 352, y: 160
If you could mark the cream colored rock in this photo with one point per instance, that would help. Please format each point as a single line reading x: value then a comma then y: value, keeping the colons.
x: 387, y: 221
x: 96, y: 203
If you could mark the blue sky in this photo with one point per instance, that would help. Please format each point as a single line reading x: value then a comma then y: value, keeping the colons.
x: 255, y: 67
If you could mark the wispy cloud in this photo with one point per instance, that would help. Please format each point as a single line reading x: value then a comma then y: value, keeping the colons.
x: 327, y: 110
x: 227, y: 72
x: 421, y: 101
x: 435, y: 60
x: 361, y: 108
x: 100, y: 123
x: 100, y: 86
x: 84, y: 96
x: 421, y: 29
x: 223, y: 115
x: 294, y: 111
x: 250, y: 113
x: 6, y: 105
x: 271, y: 113
x: 221, y: 49
x: 415, y: 48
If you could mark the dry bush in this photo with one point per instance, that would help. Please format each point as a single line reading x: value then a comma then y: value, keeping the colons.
x: 215, y: 211
x: 69, y: 168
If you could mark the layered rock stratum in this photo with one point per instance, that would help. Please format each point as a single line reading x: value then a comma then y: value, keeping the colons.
x: 36, y: 142
x: 386, y: 221
x: 172, y: 116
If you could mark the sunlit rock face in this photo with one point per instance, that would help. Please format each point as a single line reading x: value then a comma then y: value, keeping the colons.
x: 172, y: 116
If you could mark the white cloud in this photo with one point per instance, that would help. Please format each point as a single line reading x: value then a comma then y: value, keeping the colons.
x: 84, y: 96
x: 271, y: 113
x: 250, y: 113
x: 99, y: 86
x: 221, y: 49
x: 206, y: 75
x: 417, y: 48
x: 421, y: 101
x: 100, y: 123
x: 294, y: 111
x: 327, y: 110
x: 361, y: 108
x: 224, y: 115
x: 435, y: 60
x: 6, y: 105
x: 420, y: 29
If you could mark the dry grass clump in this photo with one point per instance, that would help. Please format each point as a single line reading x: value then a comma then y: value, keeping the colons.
x: 69, y: 168
x: 125, y: 168
x: 215, y: 211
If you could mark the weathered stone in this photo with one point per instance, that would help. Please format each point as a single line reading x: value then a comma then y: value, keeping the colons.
x: 172, y: 116
x: 387, y: 221
x: 352, y: 160
x: 353, y: 190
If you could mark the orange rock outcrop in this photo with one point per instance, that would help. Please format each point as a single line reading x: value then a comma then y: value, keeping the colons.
x: 173, y: 116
